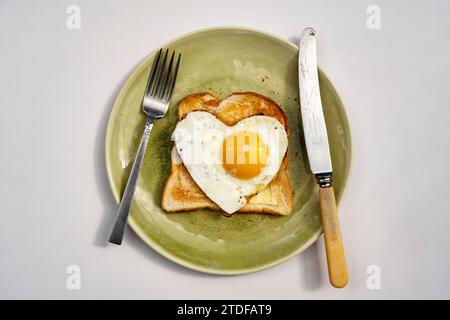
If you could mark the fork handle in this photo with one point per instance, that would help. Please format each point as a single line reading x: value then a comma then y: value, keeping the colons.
x: 125, y: 204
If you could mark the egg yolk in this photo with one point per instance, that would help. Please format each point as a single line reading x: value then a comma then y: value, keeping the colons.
x: 244, y: 154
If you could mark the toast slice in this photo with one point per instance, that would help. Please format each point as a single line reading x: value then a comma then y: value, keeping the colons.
x: 181, y: 193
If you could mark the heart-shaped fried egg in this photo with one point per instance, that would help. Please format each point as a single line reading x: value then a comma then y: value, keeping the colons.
x: 230, y: 163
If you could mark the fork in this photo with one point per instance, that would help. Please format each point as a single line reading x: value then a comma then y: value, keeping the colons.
x: 155, y: 103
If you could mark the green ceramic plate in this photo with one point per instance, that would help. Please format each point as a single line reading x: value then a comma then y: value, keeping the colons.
x: 222, y: 61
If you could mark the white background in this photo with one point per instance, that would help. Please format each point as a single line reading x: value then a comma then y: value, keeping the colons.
x: 57, y: 87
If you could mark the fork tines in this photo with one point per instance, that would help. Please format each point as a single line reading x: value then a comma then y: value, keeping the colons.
x: 162, y: 80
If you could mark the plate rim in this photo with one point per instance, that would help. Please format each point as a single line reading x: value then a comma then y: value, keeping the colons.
x: 131, y: 221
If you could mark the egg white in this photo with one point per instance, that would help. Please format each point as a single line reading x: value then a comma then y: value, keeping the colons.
x: 198, y: 140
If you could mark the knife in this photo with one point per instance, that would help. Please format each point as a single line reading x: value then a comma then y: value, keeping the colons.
x: 318, y: 150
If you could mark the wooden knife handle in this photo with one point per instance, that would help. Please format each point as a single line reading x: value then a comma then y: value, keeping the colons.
x: 337, y: 267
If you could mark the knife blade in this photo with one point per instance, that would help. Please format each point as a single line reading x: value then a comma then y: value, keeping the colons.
x: 318, y: 149
x: 315, y: 131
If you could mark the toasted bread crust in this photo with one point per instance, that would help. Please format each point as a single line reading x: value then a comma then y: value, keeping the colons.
x: 238, y: 106
x: 182, y: 194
